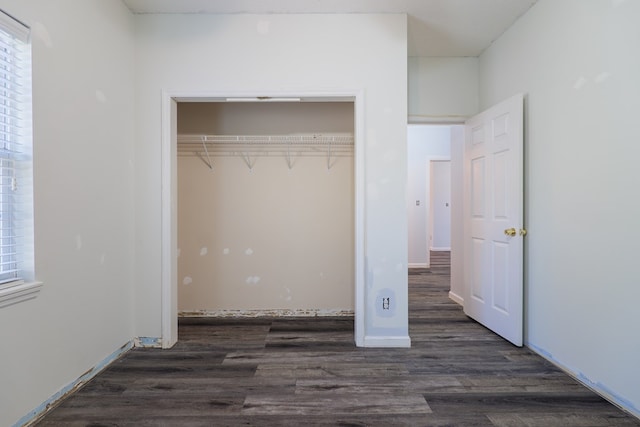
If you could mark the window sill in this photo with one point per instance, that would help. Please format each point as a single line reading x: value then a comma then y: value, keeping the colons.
x: 18, y: 293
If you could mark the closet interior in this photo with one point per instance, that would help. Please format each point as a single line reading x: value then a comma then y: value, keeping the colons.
x: 265, y: 208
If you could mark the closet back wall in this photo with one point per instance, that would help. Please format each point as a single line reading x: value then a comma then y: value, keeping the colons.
x: 271, y: 239
x: 264, y: 118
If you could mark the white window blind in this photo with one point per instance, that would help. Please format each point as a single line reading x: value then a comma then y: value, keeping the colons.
x: 15, y: 151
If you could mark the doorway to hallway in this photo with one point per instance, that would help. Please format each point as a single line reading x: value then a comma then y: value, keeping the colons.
x: 430, y: 145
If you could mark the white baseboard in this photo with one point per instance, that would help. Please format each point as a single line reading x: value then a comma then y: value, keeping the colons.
x: 418, y: 265
x: 443, y: 249
x: 338, y: 312
x: 390, y: 341
x: 456, y: 298
x: 57, y: 398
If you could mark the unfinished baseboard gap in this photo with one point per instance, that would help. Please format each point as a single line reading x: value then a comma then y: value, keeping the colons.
x: 148, y: 342
x: 268, y: 313
x: 597, y: 387
x: 45, y: 407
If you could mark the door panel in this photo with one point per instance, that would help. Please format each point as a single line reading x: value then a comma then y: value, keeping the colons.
x: 500, y: 278
x: 493, y: 191
x: 500, y: 181
x: 478, y: 260
x: 477, y: 187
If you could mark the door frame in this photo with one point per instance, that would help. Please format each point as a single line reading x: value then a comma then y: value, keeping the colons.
x: 457, y: 195
x: 169, y: 193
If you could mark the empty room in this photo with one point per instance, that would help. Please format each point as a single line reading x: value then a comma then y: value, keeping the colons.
x: 213, y: 212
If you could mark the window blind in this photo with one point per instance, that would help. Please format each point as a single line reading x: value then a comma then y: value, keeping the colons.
x: 15, y: 134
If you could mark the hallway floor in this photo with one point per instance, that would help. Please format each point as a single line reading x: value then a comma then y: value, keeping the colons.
x: 307, y: 371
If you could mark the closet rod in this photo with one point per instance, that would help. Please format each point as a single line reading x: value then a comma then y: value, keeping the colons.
x: 314, y: 139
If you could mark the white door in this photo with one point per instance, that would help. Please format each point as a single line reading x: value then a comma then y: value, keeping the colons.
x: 493, y: 219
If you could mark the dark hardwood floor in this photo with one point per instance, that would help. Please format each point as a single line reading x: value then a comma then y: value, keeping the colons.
x: 439, y: 259
x: 295, y: 372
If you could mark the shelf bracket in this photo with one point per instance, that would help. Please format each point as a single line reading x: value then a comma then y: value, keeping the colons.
x: 289, y: 159
x: 248, y: 161
x: 207, y: 161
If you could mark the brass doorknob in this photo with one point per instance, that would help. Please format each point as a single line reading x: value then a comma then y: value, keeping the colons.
x: 511, y: 232
x: 523, y: 232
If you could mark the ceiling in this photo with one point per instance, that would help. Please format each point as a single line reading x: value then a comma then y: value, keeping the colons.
x: 435, y: 27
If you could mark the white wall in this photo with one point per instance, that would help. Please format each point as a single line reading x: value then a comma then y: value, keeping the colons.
x: 83, y: 138
x: 440, y: 205
x: 577, y: 63
x: 424, y: 143
x: 442, y: 90
x: 282, y: 53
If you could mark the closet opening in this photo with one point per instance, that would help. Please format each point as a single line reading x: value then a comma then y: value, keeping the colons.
x: 265, y: 201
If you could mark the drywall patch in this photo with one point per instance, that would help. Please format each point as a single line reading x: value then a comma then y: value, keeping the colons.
x: 204, y: 251
x: 226, y: 251
x: 40, y: 32
x: 187, y: 280
x: 579, y: 84
x: 542, y: 352
x: 263, y: 27
x: 287, y: 296
x: 101, y: 97
x: 602, y: 77
x: 249, y: 251
x: 78, y: 242
x: 252, y: 280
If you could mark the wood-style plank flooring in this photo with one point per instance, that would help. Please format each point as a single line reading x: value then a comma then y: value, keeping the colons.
x: 439, y: 259
x: 297, y: 372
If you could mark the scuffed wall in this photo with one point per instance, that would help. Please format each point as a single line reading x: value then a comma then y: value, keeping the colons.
x: 271, y: 53
x: 83, y: 198
x: 575, y: 61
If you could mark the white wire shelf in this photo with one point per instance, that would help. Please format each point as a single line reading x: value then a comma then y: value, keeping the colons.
x: 249, y: 147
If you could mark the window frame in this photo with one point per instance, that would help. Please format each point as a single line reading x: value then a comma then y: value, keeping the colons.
x: 17, y: 275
